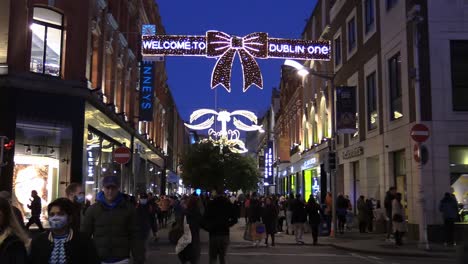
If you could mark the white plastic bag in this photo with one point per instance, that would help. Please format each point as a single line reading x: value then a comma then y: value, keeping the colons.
x: 185, y: 239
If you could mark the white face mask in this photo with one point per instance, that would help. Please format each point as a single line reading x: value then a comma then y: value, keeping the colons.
x: 143, y: 201
x: 58, y: 221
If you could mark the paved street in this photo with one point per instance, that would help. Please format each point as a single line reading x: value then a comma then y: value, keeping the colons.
x: 286, y: 251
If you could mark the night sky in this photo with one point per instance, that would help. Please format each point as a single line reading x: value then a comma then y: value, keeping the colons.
x: 189, y: 77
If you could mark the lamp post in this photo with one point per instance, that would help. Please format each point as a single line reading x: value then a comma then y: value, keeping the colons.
x: 304, y: 71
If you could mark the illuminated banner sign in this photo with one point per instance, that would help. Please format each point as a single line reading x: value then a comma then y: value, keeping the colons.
x: 346, y: 109
x: 269, y: 163
x: 146, y: 91
x: 224, y: 47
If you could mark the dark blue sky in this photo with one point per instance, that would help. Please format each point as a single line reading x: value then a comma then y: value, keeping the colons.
x: 189, y: 77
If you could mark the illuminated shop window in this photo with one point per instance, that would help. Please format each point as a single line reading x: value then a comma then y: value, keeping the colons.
x: 46, y: 41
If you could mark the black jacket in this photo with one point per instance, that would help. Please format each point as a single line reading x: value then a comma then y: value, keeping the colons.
x: 219, y: 216
x: 299, y: 214
x: 12, y: 251
x: 313, y: 211
x: 79, y: 249
x: 36, y: 206
x: 388, y: 203
x: 255, y: 211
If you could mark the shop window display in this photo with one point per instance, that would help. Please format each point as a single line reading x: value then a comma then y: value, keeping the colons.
x: 40, y: 164
x: 458, y: 158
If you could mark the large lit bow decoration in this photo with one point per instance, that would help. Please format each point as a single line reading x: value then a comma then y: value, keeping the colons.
x: 224, y: 46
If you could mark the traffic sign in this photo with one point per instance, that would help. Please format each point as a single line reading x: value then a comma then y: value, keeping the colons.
x: 419, y: 133
x: 122, y: 155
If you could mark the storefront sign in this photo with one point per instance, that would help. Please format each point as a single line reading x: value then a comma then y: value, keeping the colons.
x: 353, y: 153
x: 216, y: 44
x: 269, y: 163
x: 346, y: 110
x: 309, y: 163
x: 146, y: 91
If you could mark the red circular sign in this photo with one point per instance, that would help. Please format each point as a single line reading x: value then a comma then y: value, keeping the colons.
x: 122, y: 155
x: 420, y: 133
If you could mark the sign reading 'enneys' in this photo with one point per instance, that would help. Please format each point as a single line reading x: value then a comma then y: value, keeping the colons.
x: 146, y: 91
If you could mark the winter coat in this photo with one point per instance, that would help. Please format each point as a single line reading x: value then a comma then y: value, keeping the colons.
x: 269, y: 218
x: 313, y: 211
x: 363, y: 211
x: 114, y: 229
x: 12, y: 250
x: 78, y: 249
x: 36, y: 206
x: 449, y: 208
x: 299, y: 214
x: 388, y: 203
x: 192, y: 252
x: 255, y: 211
x: 145, y: 220
x: 219, y: 217
x: 397, y: 208
x: 341, y: 205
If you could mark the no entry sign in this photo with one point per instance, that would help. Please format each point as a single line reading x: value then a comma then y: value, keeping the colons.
x: 122, y: 155
x: 420, y: 133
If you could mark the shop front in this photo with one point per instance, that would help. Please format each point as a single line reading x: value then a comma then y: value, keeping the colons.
x: 311, y: 177
x: 458, y: 158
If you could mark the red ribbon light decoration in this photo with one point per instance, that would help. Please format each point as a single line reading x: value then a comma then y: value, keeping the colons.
x: 224, y: 46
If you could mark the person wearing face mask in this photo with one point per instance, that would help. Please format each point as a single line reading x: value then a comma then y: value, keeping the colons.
x: 76, y: 196
x: 62, y: 244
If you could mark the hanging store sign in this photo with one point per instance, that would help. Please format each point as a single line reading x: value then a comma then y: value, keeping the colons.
x: 146, y: 91
x: 224, y: 47
x: 269, y: 163
x: 346, y: 110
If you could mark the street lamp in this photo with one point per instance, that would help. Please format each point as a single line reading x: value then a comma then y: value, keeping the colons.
x: 304, y: 71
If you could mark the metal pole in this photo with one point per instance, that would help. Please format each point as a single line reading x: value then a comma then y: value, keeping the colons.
x: 2, y: 144
x: 333, y: 149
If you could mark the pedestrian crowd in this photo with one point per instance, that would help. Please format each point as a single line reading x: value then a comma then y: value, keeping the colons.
x: 117, y: 228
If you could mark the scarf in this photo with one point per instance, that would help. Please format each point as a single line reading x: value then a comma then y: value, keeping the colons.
x: 100, y: 198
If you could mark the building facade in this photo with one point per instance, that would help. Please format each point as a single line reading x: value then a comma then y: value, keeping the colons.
x: 404, y: 60
x: 70, y: 81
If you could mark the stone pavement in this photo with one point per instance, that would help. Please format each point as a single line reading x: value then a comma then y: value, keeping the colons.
x: 352, y: 241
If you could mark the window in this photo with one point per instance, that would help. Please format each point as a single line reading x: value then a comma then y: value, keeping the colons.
x: 369, y: 15
x: 46, y: 41
x: 394, y: 79
x: 459, y: 64
x: 337, y: 51
x: 391, y: 3
x: 352, y: 34
x: 372, y: 116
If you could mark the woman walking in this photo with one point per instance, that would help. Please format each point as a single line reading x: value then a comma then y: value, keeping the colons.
x: 299, y: 217
x: 398, y: 219
x: 192, y: 212
x: 269, y: 218
x: 13, y: 238
x: 362, y: 214
x: 313, y: 212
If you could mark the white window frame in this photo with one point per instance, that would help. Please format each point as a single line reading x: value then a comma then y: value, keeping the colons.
x: 370, y: 67
x: 337, y: 35
x: 368, y: 35
x: 350, y: 53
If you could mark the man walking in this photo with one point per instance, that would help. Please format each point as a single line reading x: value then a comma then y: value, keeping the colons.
x: 76, y: 196
x: 391, y: 194
x: 219, y: 217
x: 449, y: 208
x: 299, y: 217
x: 112, y: 223
x: 36, y: 208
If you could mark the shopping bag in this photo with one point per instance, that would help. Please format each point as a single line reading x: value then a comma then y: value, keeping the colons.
x: 185, y: 239
x: 258, y: 231
x: 260, y: 228
x: 247, y: 232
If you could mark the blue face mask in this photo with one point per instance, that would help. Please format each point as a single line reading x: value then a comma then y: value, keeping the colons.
x: 80, y: 198
x: 58, y: 221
